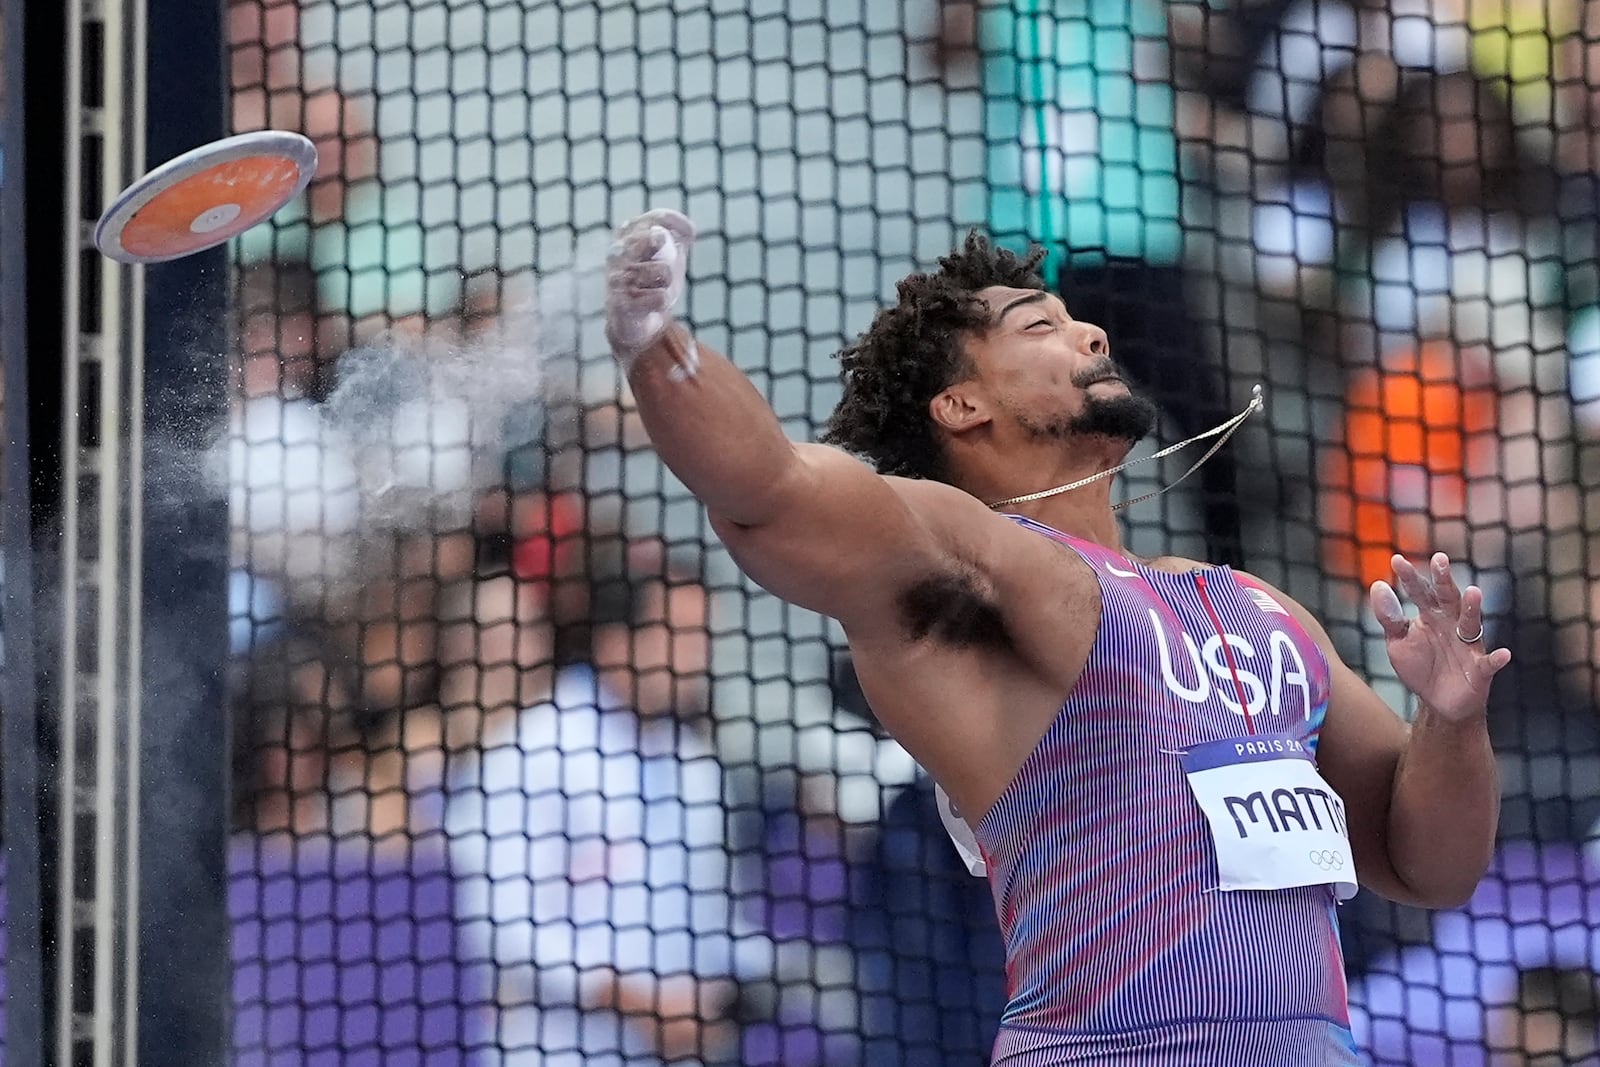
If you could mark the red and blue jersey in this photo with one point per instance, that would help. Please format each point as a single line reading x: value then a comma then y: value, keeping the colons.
x: 1120, y: 948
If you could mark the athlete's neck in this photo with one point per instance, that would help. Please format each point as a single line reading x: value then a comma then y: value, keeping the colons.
x: 1084, y: 512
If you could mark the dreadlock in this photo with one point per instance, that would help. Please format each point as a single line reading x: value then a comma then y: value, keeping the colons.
x: 915, y: 349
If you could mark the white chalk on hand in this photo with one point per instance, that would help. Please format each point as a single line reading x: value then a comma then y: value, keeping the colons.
x: 666, y: 247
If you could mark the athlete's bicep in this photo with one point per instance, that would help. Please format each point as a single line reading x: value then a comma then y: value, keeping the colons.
x: 1358, y: 753
x: 847, y: 541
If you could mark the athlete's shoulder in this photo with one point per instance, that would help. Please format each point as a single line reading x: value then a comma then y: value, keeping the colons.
x: 1256, y: 582
x: 960, y: 514
x: 1267, y: 594
x: 930, y: 491
x: 1179, y: 564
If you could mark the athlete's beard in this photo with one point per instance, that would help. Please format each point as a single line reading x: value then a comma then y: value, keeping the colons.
x: 1125, y: 417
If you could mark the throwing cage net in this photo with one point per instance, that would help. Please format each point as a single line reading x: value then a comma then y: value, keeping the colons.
x: 525, y: 772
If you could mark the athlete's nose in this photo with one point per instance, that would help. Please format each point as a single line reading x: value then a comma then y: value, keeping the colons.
x: 1092, y: 340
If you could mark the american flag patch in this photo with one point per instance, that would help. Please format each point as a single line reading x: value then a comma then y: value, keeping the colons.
x: 1264, y: 601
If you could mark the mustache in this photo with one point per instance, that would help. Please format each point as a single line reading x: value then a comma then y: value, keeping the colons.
x: 1098, y: 371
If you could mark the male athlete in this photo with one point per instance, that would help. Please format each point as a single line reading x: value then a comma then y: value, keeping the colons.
x: 1170, y: 775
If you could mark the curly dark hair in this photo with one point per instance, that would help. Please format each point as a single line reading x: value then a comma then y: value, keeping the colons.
x: 913, y: 350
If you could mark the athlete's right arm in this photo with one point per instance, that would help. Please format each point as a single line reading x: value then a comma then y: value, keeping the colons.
x: 810, y: 524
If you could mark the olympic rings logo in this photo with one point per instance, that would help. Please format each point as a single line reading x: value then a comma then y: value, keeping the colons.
x: 1327, y: 859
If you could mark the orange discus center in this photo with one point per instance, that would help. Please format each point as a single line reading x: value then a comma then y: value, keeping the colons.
x: 212, y: 206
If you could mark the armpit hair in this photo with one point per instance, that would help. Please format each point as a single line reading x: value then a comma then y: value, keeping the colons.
x: 952, y: 608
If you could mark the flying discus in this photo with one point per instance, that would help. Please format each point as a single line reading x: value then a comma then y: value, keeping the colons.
x: 206, y: 197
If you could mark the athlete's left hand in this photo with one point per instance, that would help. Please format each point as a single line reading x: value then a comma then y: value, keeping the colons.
x: 1431, y: 654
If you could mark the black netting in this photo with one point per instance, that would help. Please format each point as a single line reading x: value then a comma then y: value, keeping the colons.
x: 526, y: 771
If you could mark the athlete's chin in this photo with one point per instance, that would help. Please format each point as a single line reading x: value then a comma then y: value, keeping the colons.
x: 1126, y: 417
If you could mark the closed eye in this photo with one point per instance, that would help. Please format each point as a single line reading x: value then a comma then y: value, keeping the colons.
x: 1040, y: 322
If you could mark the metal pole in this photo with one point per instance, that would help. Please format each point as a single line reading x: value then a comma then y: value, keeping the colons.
x: 186, y: 971
x: 19, y: 738
x: 102, y: 536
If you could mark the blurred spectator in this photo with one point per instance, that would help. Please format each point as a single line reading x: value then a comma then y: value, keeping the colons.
x: 495, y: 655
x: 590, y: 838
x: 1384, y: 99
x: 315, y: 536
x: 1246, y: 78
x: 541, y: 537
x: 291, y: 481
x: 365, y: 243
x: 1461, y: 996
x: 280, y: 349
x: 1553, y: 1021
x: 1408, y: 121
x: 345, y: 942
x: 1541, y: 54
x: 811, y: 1013
x: 1420, y: 430
x: 806, y: 883
x: 354, y: 503
x: 1084, y: 159
x: 932, y: 958
x: 270, y: 91
x: 1341, y: 118
x: 649, y: 639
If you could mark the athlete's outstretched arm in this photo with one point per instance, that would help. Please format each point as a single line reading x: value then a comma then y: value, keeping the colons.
x: 809, y: 523
x: 714, y: 430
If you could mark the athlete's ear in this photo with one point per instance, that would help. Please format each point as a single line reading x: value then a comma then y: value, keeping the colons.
x: 960, y: 408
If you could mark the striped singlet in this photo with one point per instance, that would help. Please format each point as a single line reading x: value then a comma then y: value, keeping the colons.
x: 1120, y: 949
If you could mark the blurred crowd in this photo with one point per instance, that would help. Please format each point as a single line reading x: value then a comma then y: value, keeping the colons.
x: 500, y: 799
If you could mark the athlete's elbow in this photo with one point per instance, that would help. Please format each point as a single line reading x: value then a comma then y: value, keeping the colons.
x: 1425, y: 898
x: 1439, y: 854
x: 1458, y: 887
x: 1443, y: 886
x: 1447, y: 898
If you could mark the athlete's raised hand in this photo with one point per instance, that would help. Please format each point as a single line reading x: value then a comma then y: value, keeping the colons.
x: 644, y: 280
x: 1440, y: 654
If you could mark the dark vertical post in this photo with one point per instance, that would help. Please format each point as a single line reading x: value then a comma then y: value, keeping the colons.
x: 25, y: 913
x: 185, y: 974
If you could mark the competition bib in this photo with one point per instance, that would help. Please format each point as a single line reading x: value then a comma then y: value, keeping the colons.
x: 1275, y: 823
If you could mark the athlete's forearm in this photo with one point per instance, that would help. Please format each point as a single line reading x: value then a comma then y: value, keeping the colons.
x: 1445, y: 809
x: 714, y: 431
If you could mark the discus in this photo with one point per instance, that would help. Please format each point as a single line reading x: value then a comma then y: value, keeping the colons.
x: 206, y: 197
